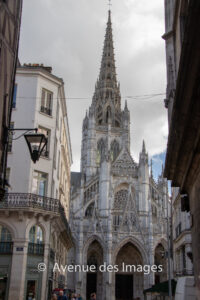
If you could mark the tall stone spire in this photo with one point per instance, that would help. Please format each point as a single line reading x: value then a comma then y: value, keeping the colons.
x: 108, y: 71
x: 107, y: 99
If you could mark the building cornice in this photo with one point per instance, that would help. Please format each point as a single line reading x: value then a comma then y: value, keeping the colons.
x: 39, y: 71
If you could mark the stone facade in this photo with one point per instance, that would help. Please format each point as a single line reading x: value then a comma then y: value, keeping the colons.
x: 118, y: 211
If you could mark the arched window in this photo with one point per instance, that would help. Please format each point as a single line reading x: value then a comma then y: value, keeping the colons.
x: 100, y: 150
x: 120, y: 200
x: 108, y: 76
x: 99, y: 115
x: 117, y: 123
x: 114, y: 150
x: 154, y: 211
x: 108, y: 114
x: 5, y: 235
x: 89, y: 210
x: 36, y: 235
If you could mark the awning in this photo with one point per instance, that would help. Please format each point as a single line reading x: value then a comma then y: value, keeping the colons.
x: 162, y: 288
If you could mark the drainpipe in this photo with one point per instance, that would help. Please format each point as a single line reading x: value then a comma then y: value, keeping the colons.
x: 169, y: 254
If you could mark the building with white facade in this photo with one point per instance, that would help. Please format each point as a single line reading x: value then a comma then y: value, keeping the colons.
x: 118, y: 212
x: 33, y: 216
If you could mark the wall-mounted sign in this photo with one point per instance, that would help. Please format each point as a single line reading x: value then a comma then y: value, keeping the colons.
x: 19, y: 248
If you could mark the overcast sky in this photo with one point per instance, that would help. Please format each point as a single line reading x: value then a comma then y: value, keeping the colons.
x: 68, y: 35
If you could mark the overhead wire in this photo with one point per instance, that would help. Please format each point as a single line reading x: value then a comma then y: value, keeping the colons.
x: 134, y: 97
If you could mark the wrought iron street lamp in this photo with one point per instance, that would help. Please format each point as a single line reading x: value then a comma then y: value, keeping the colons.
x: 36, y: 144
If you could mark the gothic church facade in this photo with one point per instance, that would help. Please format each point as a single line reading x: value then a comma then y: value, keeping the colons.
x: 118, y: 211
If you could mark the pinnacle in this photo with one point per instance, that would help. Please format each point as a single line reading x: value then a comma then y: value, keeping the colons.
x: 126, y: 106
x: 143, y: 147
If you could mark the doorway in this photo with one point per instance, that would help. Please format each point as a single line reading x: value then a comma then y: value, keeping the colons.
x: 3, y: 287
x: 124, y: 287
x: 91, y: 284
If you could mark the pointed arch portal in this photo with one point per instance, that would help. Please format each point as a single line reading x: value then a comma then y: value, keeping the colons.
x: 94, y: 279
x: 128, y: 283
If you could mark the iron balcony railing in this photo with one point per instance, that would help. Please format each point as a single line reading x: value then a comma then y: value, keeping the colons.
x: 25, y: 200
x: 6, y: 247
x: 35, y: 249
x: 46, y: 110
x: 28, y: 200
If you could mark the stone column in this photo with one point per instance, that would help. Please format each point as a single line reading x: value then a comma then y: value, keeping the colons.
x: 18, y: 270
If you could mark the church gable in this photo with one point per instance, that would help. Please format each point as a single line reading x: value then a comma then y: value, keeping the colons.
x: 124, y: 164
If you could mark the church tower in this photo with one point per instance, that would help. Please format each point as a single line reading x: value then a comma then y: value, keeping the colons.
x: 106, y: 121
x: 114, y: 200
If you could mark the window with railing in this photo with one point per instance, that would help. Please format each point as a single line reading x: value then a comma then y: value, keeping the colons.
x: 39, y: 183
x: 46, y: 102
x: 36, y: 245
x: 46, y: 132
x: 35, y: 249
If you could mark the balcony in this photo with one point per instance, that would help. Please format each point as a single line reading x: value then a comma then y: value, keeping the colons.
x: 26, y: 200
x: 46, y: 110
x: 30, y: 202
x: 6, y: 247
x: 35, y: 249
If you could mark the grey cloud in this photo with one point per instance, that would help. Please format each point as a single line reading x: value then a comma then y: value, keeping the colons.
x: 68, y: 35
